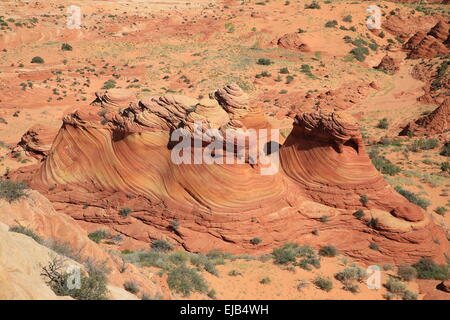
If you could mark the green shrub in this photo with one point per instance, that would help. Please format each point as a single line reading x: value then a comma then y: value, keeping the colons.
x: 37, y: 60
x: 406, y: 273
x: 324, y: 219
x: 265, y: 280
x: 413, y: 198
x: 234, y: 273
x: 185, y: 280
x: 331, y: 24
x: 351, y: 274
x: 409, y: 295
x: 99, y: 235
x: 125, y: 212
x: 287, y: 253
x: 323, y: 283
x: 66, y: 47
x: 161, y: 246
x: 358, y: 214
x: 364, y: 199
x: 445, y: 166
x: 445, y: 150
x: 328, y: 251
x: 63, y: 249
x: 174, y: 225
x: 347, y: 18
x: 178, y: 258
x: 374, y: 246
x: 373, y: 223
x: 93, y: 284
x: 441, y: 210
x: 109, y: 84
x: 428, y: 269
x: 27, y: 232
x: 264, y: 61
x: 284, y: 70
x: 131, y: 286
x: 383, y: 124
x: 395, y: 286
x: 423, y: 144
x: 255, y: 241
x: 385, y: 166
x: 312, y: 5
x: 360, y: 53
x: 12, y: 191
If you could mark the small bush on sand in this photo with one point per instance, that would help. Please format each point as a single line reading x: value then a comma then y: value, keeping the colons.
x: 406, y: 273
x: 185, y: 280
x: 323, y: 283
x: 37, y: 60
x: 328, y: 251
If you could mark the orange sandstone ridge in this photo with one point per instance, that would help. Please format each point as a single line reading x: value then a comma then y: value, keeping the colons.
x: 116, y: 153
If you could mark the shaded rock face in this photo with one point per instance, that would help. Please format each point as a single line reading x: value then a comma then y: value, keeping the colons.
x: 324, y: 171
x: 388, y: 64
x: 435, y: 123
x: 292, y: 41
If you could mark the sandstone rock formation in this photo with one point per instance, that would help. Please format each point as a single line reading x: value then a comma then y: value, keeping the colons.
x: 292, y: 41
x: 37, y: 141
x: 437, y: 122
x: 429, y: 44
x: 388, y: 64
x: 324, y: 171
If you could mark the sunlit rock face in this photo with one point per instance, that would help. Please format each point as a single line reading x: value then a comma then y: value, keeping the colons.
x: 117, y: 153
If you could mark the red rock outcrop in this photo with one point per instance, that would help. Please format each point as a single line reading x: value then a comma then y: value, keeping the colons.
x: 37, y: 141
x: 405, y: 26
x: 388, y: 64
x: 429, y: 44
x: 435, y: 123
x: 324, y: 171
x: 292, y: 41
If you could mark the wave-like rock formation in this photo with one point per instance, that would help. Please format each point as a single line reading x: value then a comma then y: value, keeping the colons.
x: 429, y: 44
x: 435, y: 123
x: 96, y: 169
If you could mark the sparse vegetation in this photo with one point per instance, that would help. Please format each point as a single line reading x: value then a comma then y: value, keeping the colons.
x: 99, y: 235
x: 27, y: 232
x: 413, y: 198
x: 12, y: 191
x: 37, y: 60
x: 328, y: 251
x: 406, y: 273
x: 323, y: 283
x: 131, y: 286
x: 161, y: 246
x: 186, y: 280
x: 93, y: 283
x: 428, y: 269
